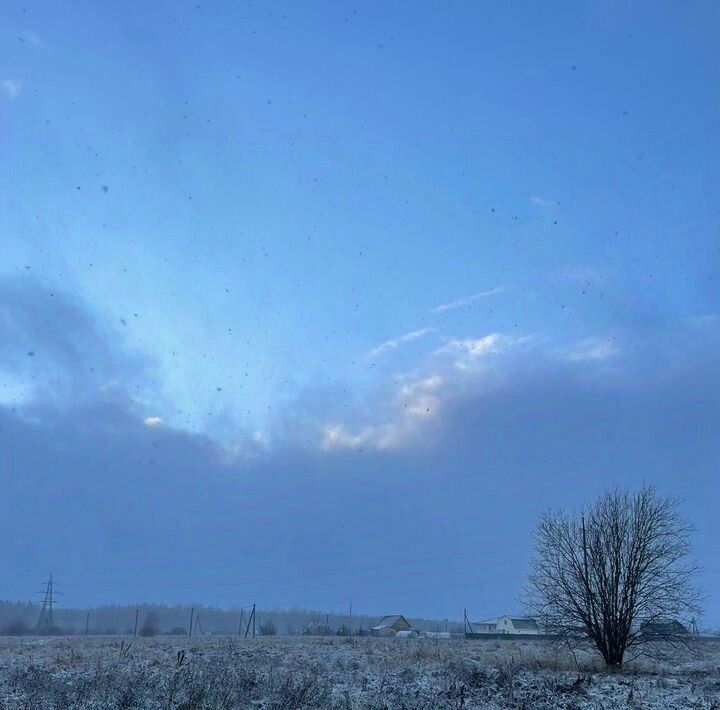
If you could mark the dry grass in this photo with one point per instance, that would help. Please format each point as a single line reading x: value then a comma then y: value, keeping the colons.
x: 295, y: 673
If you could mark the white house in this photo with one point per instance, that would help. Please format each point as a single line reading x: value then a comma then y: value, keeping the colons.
x: 516, y: 625
x: 506, y: 625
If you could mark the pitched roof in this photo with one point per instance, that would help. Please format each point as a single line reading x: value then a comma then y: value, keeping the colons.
x: 388, y: 621
x: 664, y: 626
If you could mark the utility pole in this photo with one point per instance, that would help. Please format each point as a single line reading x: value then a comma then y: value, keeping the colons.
x: 87, y: 623
x: 137, y: 613
x: 350, y: 624
x: 242, y: 614
x: 251, y: 620
x: 192, y: 612
x: 464, y: 621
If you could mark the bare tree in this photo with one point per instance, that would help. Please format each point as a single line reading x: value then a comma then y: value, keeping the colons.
x: 617, y: 574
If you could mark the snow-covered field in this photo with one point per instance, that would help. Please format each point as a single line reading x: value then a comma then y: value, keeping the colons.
x: 337, y: 673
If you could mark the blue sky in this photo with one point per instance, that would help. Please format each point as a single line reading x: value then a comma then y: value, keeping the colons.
x: 326, y: 237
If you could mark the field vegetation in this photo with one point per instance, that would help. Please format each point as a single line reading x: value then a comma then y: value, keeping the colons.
x: 294, y: 673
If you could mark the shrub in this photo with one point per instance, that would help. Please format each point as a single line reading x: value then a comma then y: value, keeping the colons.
x: 267, y: 628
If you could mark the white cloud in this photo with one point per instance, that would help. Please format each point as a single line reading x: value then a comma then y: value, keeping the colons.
x: 413, y: 404
x: 592, y: 349
x: 153, y: 421
x: 543, y: 201
x: 336, y: 436
x: 420, y: 398
x: 415, y: 407
x: 395, y: 342
x: 11, y: 87
x: 467, y: 300
x: 478, y: 347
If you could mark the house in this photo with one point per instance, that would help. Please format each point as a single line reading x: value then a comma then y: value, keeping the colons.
x: 664, y: 628
x: 390, y: 625
x: 506, y: 625
x: 484, y: 627
x: 517, y: 625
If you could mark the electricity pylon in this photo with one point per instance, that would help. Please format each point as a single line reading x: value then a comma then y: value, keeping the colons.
x: 45, y: 621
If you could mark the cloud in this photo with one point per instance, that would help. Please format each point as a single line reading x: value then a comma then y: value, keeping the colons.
x: 395, y: 342
x: 595, y: 349
x: 337, y: 436
x: 468, y: 300
x: 543, y: 201
x: 413, y: 403
x: 437, y: 457
x: 11, y: 87
x: 153, y: 421
x: 479, y: 347
x: 52, y: 349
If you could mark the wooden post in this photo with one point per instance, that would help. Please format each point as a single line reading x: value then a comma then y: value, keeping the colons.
x: 87, y: 623
x: 192, y: 613
x: 137, y: 612
x: 253, y: 621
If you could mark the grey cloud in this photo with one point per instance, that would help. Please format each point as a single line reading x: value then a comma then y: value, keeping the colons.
x: 121, y: 511
x: 56, y: 348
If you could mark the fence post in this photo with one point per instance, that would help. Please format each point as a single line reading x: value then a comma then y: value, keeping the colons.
x: 192, y: 612
x: 137, y: 612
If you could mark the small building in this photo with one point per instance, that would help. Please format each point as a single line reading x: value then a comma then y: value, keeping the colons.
x: 664, y: 628
x: 434, y: 634
x: 411, y: 634
x: 390, y: 625
x: 506, y: 625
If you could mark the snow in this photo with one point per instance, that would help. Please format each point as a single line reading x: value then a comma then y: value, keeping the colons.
x: 374, y: 673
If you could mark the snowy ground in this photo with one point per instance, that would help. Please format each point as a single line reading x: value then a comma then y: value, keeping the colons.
x: 334, y: 673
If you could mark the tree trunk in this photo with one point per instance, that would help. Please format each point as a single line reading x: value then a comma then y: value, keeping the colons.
x: 614, y: 660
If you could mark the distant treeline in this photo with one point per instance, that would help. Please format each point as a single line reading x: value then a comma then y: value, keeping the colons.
x: 20, y: 618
